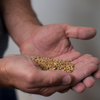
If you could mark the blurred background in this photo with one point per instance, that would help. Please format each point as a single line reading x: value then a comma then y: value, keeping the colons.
x: 74, y: 12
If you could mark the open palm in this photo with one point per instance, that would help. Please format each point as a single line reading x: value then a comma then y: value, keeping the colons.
x: 52, y: 41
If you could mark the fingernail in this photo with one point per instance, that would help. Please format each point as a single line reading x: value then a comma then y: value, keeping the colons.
x: 66, y: 80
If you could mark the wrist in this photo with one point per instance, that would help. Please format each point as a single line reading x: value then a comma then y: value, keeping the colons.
x: 27, y: 31
x: 3, y: 75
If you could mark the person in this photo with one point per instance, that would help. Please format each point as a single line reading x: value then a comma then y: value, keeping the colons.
x: 51, y: 41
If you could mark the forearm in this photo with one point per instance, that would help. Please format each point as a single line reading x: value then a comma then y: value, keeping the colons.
x: 18, y: 16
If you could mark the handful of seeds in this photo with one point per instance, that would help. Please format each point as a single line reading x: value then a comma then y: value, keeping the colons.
x: 53, y: 64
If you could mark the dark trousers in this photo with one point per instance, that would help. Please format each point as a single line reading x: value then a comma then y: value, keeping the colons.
x: 7, y: 94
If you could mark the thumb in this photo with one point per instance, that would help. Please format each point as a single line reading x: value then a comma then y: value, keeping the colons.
x: 53, y: 78
x: 83, y: 33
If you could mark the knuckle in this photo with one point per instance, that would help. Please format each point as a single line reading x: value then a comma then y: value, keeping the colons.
x: 47, y: 94
x: 88, y: 55
x: 93, y: 67
x: 96, y: 59
x: 52, y: 81
x: 55, y: 81
x: 46, y: 91
x: 30, y: 77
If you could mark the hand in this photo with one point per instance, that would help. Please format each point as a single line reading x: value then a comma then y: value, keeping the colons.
x: 19, y: 71
x: 53, y: 41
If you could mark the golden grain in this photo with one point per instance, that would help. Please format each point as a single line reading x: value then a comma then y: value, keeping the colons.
x: 54, y: 64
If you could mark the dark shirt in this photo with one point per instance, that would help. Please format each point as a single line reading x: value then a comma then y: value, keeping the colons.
x: 3, y: 39
x: 5, y: 94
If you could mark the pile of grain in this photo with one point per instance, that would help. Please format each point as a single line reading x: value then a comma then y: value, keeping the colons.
x: 53, y: 64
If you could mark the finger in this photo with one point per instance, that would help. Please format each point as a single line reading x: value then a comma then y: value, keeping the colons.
x: 97, y: 74
x: 89, y: 81
x: 87, y: 58
x: 64, y: 90
x: 79, y: 32
x: 52, y: 90
x: 81, y: 58
x: 69, y: 56
x: 48, y: 91
x: 80, y: 87
x: 87, y: 61
x: 84, y: 71
x: 52, y: 78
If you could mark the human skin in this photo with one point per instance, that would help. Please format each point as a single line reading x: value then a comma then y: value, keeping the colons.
x: 58, y: 46
x: 47, y: 41
x: 20, y: 72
